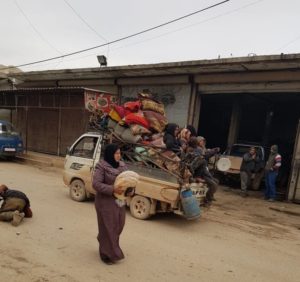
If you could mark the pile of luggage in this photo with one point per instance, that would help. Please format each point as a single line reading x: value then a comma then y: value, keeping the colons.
x: 140, y: 121
x: 138, y: 126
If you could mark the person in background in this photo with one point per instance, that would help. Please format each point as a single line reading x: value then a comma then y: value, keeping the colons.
x: 272, y: 167
x: 207, y: 153
x: 192, y: 130
x: 15, y: 207
x: 172, y: 143
x: 199, y: 169
x: 249, y: 163
x: 184, y: 138
x: 110, y: 215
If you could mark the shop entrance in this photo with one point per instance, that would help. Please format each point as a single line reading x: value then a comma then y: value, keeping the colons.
x: 264, y: 119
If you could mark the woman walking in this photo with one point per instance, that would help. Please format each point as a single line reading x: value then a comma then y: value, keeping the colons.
x: 111, y: 217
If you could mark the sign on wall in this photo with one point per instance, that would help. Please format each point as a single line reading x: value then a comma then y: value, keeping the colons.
x: 99, y: 102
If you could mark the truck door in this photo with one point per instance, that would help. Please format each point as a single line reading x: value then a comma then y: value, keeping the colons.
x: 80, y: 159
x: 97, y: 155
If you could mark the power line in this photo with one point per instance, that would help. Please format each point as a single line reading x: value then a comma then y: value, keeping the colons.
x: 176, y: 30
x: 84, y: 21
x: 125, y: 37
x: 88, y: 25
x: 288, y: 44
x: 34, y: 28
x: 192, y: 25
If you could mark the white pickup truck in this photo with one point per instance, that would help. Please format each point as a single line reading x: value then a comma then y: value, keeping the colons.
x: 157, y: 191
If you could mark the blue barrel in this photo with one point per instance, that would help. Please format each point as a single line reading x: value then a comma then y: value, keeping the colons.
x: 190, y: 205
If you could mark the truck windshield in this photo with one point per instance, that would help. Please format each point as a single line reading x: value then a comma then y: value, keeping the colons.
x: 85, y: 147
x: 239, y: 151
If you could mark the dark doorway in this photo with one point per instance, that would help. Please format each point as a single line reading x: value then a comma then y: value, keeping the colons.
x: 265, y: 119
x: 215, y: 115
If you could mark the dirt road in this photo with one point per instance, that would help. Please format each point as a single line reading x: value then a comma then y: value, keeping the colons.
x: 236, y: 240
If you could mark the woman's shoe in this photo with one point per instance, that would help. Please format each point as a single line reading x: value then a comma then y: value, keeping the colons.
x: 107, y: 261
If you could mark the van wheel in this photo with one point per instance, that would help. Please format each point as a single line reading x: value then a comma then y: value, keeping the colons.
x: 77, y: 191
x: 140, y: 207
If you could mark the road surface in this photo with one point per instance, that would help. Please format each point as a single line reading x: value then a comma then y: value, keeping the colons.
x: 235, y: 240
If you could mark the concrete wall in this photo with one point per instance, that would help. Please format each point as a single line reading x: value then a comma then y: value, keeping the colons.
x: 175, y: 97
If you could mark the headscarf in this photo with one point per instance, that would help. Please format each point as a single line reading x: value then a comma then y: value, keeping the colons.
x: 192, y: 130
x: 170, y: 128
x: 109, y: 152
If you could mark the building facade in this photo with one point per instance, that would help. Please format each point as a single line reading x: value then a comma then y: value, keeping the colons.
x: 250, y: 99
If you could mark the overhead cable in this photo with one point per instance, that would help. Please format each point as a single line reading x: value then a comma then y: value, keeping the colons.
x: 84, y: 21
x: 123, y: 38
x: 35, y: 29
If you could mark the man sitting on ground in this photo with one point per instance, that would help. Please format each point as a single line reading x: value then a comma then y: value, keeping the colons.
x: 15, y: 207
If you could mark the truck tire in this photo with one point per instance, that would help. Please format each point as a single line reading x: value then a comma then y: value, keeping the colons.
x: 140, y: 207
x: 77, y: 191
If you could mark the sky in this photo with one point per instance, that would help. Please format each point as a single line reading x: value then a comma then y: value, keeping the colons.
x: 33, y: 30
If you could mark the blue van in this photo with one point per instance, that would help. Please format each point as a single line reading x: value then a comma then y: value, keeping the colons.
x: 11, y: 142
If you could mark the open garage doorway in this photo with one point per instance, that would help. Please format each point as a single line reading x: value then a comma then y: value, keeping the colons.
x: 264, y: 118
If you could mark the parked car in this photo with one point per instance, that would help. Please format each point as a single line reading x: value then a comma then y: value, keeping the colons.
x: 229, y: 164
x: 11, y: 142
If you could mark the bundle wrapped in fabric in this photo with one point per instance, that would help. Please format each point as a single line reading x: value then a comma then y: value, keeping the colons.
x: 151, y: 105
x: 113, y: 114
x: 119, y: 129
x: 127, y: 180
x: 137, y: 129
x: 141, y: 151
x: 153, y: 154
x: 111, y: 123
x: 136, y: 118
x: 127, y: 136
x: 132, y: 106
x: 156, y: 121
x: 172, y: 161
x: 159, y: 142
x: 120, y: 110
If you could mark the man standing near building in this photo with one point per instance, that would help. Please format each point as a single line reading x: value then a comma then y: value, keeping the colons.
x: 271, y: 169
x: 248, y: 165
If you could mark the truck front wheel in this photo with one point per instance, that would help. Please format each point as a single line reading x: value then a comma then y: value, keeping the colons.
x: 77, y: 191
x: 140, y: 207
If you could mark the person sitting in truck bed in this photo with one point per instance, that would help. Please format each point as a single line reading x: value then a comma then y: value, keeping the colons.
x: 170, y: 139
x: 207, y: 153
x: 199, y: 169
x: 183, y: 138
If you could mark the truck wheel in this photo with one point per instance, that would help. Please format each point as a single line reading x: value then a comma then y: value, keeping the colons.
x: 140, y: 207
x: 77, y: 191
